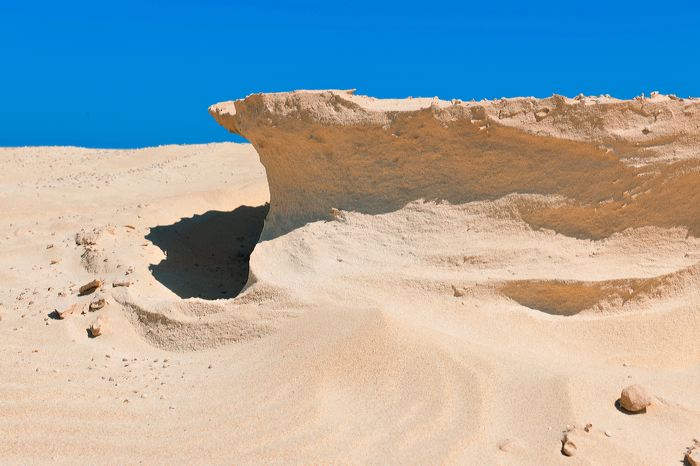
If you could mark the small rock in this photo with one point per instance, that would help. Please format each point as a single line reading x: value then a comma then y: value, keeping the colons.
x: 55, y: 261
x: 98, y: 327
x: 117, y: 284
x: 588, y: 427
x: 692, y: 457
x: 75, y: 308
x: 568, y: 447
x: 90, y: 287
x: 97, y: 304
x: 634, y: 399
x: 506, y: 445
x: 457, y: 292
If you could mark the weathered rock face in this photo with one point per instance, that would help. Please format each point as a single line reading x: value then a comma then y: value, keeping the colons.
x: 605, y: 164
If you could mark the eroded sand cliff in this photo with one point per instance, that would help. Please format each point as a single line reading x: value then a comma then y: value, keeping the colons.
x: 592, y: 166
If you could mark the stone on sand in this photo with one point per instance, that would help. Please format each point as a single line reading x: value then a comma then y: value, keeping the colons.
x: 74, y: 308
x: 693, y: 457
x: 91, y: 286
x: 98, y: 326
x: 568, y: 446
x: 634, y: 399
x: 97, y: 304
x: 507, y: 445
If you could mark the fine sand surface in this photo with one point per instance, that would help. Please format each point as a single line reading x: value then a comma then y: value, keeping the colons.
x: 434, y: 310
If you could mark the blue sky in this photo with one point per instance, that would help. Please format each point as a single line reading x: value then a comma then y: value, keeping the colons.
x: 139, y: 73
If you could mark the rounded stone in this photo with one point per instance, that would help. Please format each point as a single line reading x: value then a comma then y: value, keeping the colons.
x: 634, y: 399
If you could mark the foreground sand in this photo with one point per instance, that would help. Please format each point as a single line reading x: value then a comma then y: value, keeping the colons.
x: 407, y: 336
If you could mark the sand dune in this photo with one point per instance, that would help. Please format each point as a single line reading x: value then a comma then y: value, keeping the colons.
x: 434, y: 282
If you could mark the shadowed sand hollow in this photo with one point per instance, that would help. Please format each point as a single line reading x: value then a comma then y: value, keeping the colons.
x: 208, y: 254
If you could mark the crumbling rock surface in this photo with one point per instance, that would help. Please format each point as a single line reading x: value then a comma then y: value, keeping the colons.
x: 604, y: 164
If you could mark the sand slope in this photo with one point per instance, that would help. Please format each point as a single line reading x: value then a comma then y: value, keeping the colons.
x: 437, y: 328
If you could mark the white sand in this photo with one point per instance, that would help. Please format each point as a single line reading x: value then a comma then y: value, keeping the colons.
x: 399, y: 336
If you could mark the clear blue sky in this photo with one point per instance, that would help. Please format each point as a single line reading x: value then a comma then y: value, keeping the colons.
x: 130, y: 73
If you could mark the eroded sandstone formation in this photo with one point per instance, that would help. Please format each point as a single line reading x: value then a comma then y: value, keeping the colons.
x: 585, y: 167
